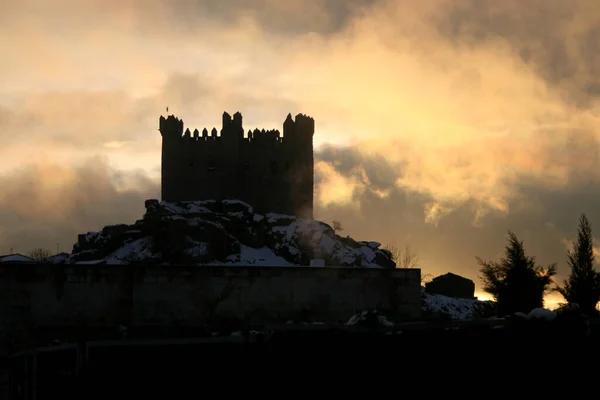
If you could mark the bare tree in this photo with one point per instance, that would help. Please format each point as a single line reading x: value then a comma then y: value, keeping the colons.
x: 426, y: 278
x: 337, y: 226
x: 404, y: 258
x: 39, y: 254
x: 407, y: 258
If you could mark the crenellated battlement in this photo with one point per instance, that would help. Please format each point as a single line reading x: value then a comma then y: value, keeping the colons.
x: 270, y: 169
x: 252, y: 136
x: 232, y: 128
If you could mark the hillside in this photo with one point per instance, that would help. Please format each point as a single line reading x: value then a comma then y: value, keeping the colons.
x: 228, y: 232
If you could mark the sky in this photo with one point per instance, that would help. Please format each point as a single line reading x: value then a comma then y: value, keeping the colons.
x: 439, y: 123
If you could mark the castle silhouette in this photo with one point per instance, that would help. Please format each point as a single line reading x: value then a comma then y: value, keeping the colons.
x: 270, y: 172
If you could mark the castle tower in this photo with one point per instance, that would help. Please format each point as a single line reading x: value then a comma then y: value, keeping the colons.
x: 298, y: 137
x: 270, y: 172
x: 171, y: 130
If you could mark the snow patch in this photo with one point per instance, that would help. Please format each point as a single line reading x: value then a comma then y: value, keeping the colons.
x: 262, y: 256
x: 250, y: 256
x: 90, y: 262
x: 542, y: 313
x: 136, y: 250
x: 327, y: 245
x: 455, y: 308
x: 537, y: 314
x: 16, y: 258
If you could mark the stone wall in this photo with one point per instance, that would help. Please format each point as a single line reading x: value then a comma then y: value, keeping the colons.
x: 104, y: 295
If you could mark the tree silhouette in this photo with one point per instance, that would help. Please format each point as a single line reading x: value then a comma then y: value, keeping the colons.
x: 404, y: 258
x: 39, y: 254
x: 516, y: 283
x: 583, y: 285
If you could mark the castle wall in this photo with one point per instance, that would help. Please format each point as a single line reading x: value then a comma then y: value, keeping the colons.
x: 104, y: 295
x: 273, y: 173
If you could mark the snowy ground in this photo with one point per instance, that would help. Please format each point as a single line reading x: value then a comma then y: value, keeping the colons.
x: 18, y: 258
x: 454, y: 308
x: 461, y: 309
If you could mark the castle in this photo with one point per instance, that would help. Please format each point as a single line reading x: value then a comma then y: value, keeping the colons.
x: 271, y: 172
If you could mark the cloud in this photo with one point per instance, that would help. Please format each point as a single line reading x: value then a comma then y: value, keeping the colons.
x: 465, y: 119
x: 545, y: 218
x: 74, y: 125
x: 47, y: 203
x: 558, y: 39
x: 361, y: 175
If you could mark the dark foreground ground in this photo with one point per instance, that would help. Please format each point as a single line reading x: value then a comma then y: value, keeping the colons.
x: 193, y: 368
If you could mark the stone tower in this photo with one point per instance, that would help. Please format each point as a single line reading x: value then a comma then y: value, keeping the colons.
x: 270, y: 171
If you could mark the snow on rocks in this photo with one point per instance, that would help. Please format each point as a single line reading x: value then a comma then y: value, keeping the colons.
x: 455, y: 308
x: 541, y: 313
x: 566, y: 321
x: 17, y: 258
x: 225, y: 232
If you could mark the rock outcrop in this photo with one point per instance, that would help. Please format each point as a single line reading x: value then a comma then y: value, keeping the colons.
x: 451, y: 285
x: 225, y: 232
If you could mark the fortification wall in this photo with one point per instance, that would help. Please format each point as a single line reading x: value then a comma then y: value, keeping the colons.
x: 103, y: 295
x: 273, y: 173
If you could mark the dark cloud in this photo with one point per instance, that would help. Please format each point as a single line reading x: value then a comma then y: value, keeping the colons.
x: 380, y: 174
x: 42, y: 205
x: 559, y: 39
x: 542, y: 215
x: 278, y: 17
x: 154, y: 18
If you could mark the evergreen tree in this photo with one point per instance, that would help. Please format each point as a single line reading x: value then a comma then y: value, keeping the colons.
x: 516, y: 282
x: 583, y: 285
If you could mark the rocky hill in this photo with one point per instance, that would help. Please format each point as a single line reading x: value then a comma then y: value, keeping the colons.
x: 228, y: 232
